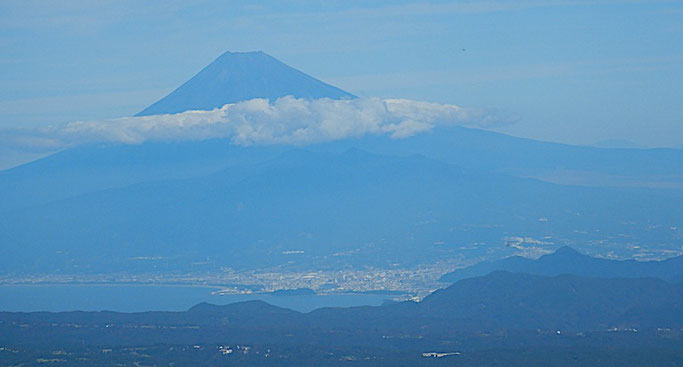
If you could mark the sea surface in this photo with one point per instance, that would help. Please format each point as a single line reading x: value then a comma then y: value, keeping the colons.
x: 138, y: 298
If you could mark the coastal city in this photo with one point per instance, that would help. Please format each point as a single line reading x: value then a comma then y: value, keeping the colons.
x: 397, y: 282
x: 401, y: 283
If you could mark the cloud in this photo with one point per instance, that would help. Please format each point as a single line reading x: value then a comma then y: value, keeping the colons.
x: 287, y: 120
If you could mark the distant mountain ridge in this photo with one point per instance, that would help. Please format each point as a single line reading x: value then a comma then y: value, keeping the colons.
x: 566, y: 260
x: 240, y: 76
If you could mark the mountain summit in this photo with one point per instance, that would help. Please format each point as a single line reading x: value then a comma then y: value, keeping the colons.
x: 240, y: 76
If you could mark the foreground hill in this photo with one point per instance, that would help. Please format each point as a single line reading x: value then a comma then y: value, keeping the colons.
x: 564, y: 302
x: 516, y: 312
x: 566, y: 260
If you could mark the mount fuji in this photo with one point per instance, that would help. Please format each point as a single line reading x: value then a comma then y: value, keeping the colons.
x: 240, y: 76
x: 449, y: 192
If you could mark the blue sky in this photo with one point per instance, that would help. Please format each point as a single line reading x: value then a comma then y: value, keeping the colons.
x: 571, y: 71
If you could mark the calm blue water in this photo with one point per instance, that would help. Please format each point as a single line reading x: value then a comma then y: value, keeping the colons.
x: 125, y: 298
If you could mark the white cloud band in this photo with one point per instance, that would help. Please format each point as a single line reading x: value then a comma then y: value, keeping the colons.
x: 286, y: 120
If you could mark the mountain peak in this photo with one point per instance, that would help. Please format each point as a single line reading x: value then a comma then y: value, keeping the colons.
x: 566, y: 250
x: 243, y: 54
x: 240, y: 76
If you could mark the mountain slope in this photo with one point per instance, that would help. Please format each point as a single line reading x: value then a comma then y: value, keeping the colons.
x: 85, y: 169
x: 353, y: 208
x: 550, y: 162
x: 90, y: 168
x: 238, y: 76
